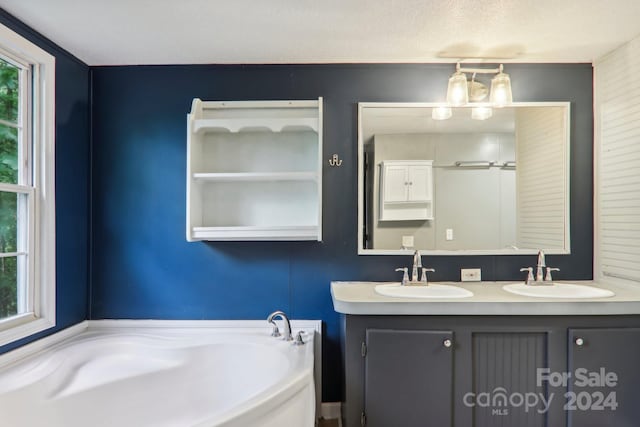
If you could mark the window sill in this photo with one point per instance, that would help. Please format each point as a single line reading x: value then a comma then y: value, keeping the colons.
x: 22, y: 326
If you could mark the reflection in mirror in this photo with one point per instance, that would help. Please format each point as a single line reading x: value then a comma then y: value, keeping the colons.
x: 498, y: 185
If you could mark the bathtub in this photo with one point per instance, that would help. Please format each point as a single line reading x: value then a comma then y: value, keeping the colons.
x: 161, y: 373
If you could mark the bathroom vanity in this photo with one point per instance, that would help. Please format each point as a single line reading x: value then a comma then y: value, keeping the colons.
x: 493, y: 359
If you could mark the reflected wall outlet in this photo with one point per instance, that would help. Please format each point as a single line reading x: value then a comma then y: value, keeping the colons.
x: 471, y: 274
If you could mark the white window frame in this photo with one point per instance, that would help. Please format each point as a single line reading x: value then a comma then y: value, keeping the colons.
x: 39, y: 301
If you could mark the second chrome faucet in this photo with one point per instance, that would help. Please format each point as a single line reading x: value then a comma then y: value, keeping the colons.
x: 417, y: 266
x: 540, y: 278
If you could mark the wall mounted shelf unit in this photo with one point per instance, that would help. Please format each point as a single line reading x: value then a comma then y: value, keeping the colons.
x: 406, y: 190
x: 254, y: 170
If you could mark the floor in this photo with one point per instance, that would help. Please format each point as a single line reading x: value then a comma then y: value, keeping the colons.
x: 328, y: 423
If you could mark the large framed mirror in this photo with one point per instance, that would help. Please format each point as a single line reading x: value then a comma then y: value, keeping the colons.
x: 463, y: 185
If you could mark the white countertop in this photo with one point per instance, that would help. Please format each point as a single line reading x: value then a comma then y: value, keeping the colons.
x: 488, y: 299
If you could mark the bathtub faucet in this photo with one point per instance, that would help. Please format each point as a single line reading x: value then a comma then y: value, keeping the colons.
x: 287, y: 325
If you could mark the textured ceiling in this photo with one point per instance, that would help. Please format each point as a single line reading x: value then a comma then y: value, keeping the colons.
x: 116, y: 32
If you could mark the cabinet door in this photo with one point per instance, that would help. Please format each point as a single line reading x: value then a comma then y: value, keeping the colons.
x: 395, y: 184
x: 408, y: 378
x: 419, y: 183
x: 505, y: 365
x: 598, y: 352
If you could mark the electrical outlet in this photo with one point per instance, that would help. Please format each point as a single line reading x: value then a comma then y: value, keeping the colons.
x: 449, y: 234
x: 407, y: 241
x: 471, y: 274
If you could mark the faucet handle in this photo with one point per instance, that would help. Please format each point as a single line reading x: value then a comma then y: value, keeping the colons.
x: 548, y: 278
x: 405, y: 276
x: 275, y: 332
x: 424, y: 274
x: 529, y: 275
x: 298, y: 339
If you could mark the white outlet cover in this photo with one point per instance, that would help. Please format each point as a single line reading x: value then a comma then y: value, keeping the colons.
x: 407, y: 241
x: 471, y: 275
x: 449, y: 234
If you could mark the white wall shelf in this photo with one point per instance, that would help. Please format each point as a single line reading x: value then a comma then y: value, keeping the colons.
x: 255, y: 233
x: 292, y: 124
x: 256, y: 176
x: 254, y: 170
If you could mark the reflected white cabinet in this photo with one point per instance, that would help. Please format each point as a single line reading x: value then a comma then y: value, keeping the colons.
x: 406, y: 188
x: 254, y: 170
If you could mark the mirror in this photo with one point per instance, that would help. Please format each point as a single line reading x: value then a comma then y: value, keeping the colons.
x: 462, y: 185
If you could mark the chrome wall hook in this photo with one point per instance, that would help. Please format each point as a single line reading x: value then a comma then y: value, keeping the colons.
x: 335, y: 161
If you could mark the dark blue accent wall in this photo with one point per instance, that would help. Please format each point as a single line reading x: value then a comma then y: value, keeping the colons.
x: 72, y: 182
x: 144, y: 268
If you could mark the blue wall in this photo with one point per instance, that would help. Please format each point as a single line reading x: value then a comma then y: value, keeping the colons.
x: 144, y: 268
x: 72, y: 182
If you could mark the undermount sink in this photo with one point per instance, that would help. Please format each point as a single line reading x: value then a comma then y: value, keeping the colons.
x: 416, y: 291
x: 558, y: 290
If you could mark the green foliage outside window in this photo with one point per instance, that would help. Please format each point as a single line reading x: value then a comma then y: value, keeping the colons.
x: 9, y: 91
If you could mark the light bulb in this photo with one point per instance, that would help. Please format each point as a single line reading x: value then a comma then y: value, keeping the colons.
x: 457, y: 92
x: 481, y: 113
x: 441, y: 113
x: 501, y: 90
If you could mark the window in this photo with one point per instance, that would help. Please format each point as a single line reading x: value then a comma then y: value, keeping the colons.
x: 15, y: 191
x: 27, y: 199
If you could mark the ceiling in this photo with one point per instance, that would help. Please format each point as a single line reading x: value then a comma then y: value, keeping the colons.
x: 119, y: 32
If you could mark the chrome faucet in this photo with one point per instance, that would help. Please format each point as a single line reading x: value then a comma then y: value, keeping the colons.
x: 540, y: 278
x: 540, y: 266
x: 417, y: 265
x: 287, y: 325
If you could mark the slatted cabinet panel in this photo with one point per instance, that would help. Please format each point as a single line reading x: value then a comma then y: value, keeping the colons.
x: 617, y: 117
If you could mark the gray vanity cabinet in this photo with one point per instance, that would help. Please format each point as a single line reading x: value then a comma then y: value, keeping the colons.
x: 609, y: 398
x: 477, y: 371
x: 419, y: 370
x: 408, y: 378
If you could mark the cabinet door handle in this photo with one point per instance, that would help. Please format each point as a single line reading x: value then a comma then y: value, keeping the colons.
x: 579, y: 342
x: 447, y: 343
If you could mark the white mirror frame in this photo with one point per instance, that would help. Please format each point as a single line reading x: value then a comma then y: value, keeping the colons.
x: 363, y: 251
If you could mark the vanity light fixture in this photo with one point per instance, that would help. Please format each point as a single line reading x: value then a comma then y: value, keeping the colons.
x: 460, y: 91
x: 441, y: 113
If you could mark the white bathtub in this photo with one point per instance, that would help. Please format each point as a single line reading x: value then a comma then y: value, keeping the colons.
x: 155, y: 373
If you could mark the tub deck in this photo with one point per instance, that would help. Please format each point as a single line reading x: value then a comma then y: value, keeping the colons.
x: 147, y: 374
